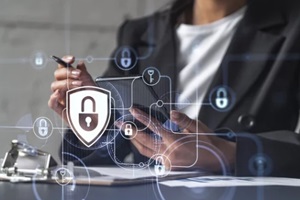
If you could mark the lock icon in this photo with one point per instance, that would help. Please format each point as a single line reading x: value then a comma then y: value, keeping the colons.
x: 159, y: 167
x: 128, y: 130
x: 222, y: 98
x: 126, y: 60
x: 43, y: 127
x: 39, y: 59
x: 86, y: 118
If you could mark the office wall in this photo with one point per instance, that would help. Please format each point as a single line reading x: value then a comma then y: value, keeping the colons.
x: 55, y: 27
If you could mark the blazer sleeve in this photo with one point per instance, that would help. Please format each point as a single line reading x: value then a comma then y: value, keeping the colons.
x: 275, y: 153
x: 268, y: 154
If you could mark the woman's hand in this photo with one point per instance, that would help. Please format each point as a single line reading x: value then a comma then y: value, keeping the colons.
x: 66, y: 79
x: 186, y: 148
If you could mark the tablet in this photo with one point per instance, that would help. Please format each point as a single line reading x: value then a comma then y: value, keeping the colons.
x: 130, y: 92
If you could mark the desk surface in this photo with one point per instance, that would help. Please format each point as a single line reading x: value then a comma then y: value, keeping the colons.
x: 147, y: 192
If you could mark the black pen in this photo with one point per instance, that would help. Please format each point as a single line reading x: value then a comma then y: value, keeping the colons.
x: 60, y: 61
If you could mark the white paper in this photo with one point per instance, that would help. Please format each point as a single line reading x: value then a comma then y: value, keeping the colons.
x: 131, y: 173
x: 223, y: 181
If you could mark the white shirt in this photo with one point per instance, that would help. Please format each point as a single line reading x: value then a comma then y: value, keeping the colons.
x: 201, y: 50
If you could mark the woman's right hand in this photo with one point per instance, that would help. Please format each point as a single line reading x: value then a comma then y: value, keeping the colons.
x: 66, y: 79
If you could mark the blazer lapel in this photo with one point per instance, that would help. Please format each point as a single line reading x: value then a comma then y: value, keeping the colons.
x: 165, y: 55
x: 163, y: 52
x: 250, y: 53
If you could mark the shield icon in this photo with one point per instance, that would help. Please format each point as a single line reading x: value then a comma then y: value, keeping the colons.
x: 88, y: 113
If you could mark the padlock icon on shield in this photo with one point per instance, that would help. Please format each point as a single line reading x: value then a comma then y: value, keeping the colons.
x: 222, y: 98
x: 88, y: 120
x: 159, y: 167
x: 39, y: 60
x: 126, y: 60
x: 128, y: 130
x: 43, y: 128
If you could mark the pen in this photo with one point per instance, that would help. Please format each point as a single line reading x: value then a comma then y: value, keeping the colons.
x: 60, y: 61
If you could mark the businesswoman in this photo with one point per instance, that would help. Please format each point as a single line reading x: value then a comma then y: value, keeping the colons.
x: 252, y: 46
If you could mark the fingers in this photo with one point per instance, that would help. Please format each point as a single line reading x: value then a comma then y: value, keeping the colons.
x: 140, y: 137
x: 146, y: 140
x: 81, y: 66
x: 80, y: 73
x: 54, y: 104
x: 69, y: 59
x: 190, y: 125
x: 154, y: 125
x: 65, y: 85
x: 69, y: 78
x: 85, y: 76
x: 65, y: 73
x: 183, y: 121
x: 145, y: 151
x: 145, y: 144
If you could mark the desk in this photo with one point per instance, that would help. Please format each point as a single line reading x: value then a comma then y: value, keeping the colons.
x: 25, y: 191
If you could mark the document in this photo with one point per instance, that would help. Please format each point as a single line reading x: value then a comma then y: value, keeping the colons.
x: 224, y: 181
x: 125, y: 176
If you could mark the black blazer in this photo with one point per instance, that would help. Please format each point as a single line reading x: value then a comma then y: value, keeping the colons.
x: 261, y: 65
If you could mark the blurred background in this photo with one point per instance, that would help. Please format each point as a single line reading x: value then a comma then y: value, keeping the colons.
x: 31, y: 29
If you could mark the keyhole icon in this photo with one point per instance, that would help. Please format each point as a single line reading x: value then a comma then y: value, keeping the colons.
x: 88, y: 121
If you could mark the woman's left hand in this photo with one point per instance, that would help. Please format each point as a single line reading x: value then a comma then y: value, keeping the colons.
x: 183, y: 149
